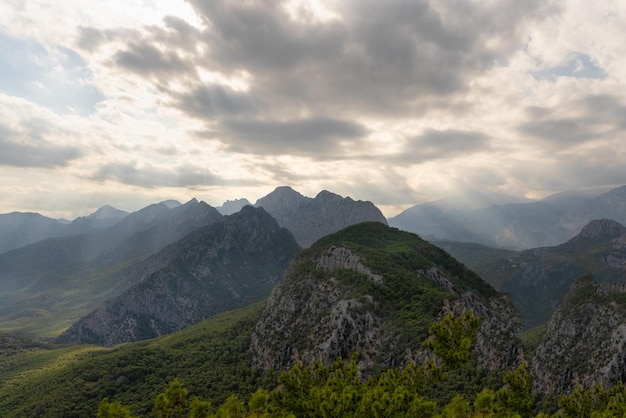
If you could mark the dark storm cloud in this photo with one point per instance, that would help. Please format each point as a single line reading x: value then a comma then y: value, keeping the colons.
x: 563, y: 131
x: 27, y: 148
x: 315, y: 137
x: 593, y: 118
x: 436, y: 145
x: 207, y: 101
x: 388, y: 58
x: 145, y: 58
x: 150, y: 177
x: 382, y: 57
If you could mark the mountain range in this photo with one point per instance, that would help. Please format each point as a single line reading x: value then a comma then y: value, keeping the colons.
x: 229, y: 264
x: 47, y: 285
x: 335, y: 278
x: 513, y: 225
x: 537, y: 279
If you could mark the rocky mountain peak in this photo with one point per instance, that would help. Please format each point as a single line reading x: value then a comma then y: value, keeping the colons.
x: 602, y: 228
x: 232, y: 206
x: 351, y: 290
x: 310, y: 219
x: 325, y: 195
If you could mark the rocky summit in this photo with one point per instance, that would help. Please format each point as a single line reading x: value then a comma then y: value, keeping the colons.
x: 375, y: 290
x: 309, y: 219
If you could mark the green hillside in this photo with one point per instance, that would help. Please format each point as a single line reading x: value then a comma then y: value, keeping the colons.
x: 212, y: 359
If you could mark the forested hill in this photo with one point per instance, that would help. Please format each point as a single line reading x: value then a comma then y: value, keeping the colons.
x: 375, y: 289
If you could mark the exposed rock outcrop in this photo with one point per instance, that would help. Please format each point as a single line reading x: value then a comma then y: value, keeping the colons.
x: 310, y: 219
x: 584, y: 344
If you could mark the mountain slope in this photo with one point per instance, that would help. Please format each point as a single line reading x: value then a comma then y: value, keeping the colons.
x: 538, y: 279
x: 374, y: 289
x: 46, y: 285
x: 211, y: 358
x: 19, y: 229
x: 227, y: 265
x: 104, y: 217
x: 310, y: 219
x: 584, y: 341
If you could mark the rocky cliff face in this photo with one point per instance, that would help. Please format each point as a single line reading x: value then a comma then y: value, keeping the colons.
x: 585, y: 343
x: 223, y: 266
x: 310, y: 219
x: 538, y: 279
x: 375, y: 290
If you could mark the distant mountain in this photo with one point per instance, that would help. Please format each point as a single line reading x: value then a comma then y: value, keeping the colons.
x: 18, y: 229
x: 104, y: 217
x: 309, y: 219
x: 171, y: 203
x: 520, y: 225
x: 232, y: 206
x: 43, y: 286
x: 223, y: 266
x: 538, y: 279
x: 584, y: 341
x: 453, y: 218
x: 374, y: 289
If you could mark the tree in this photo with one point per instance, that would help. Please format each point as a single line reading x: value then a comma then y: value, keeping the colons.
x: 108, y: 409
x: 516, y: 395
x: 173, y: 402
x: 451, y: 338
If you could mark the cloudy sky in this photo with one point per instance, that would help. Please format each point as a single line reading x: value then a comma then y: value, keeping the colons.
x: 129, y: 102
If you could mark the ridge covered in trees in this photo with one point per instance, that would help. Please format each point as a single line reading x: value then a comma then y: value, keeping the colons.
x: 338, y: 390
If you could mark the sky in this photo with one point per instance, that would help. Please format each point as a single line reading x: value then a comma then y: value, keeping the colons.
x: 130, y: 102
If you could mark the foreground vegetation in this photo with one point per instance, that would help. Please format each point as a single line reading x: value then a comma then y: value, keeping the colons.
x: 212, y: 358
x: 338, y: 390
x: 208, y: 368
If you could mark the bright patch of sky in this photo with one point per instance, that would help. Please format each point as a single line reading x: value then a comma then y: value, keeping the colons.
x: 577, y: 65
x: 56, y: 78
x: 128, y: 102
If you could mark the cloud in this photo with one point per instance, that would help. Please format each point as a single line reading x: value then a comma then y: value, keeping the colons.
x: 27, y: 148
x: 379, y: 58
x: 314, y: 137
x: 434, y: 145
x: 593, y: 118
x: 145, y: 59
x: 152, y: 177
x: 208, y: 101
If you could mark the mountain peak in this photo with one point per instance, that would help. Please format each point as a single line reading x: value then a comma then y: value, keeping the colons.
x: 232, y: 206
x: 285, y: 191
x: 602, y: 228
x: 326, y: 195
x: 171, y: 203
x: 107, y: 211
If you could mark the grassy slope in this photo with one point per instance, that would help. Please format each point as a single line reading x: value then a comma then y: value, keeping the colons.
x: 49, y: 312
x: 212, y: 359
